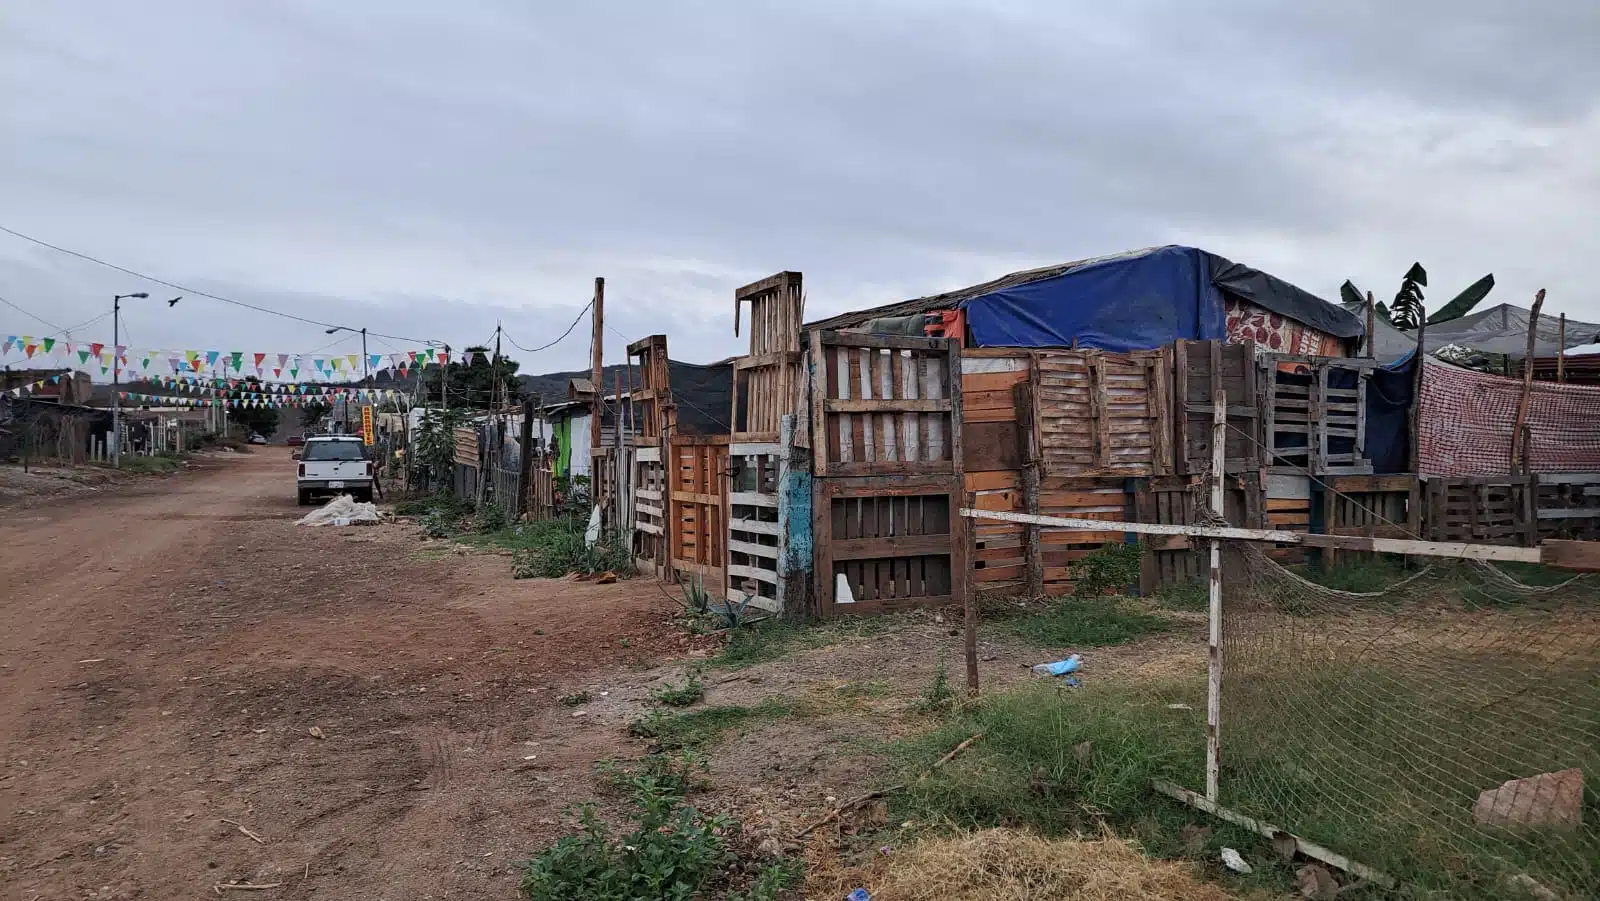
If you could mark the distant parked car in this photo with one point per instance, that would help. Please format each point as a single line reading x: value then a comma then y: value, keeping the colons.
x: 257, y: 438
x: 296, y: 440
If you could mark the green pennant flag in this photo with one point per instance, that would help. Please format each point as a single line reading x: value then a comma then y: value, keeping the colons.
x: 238, y: 359
x: 49, y: 343
x: 83, y: 357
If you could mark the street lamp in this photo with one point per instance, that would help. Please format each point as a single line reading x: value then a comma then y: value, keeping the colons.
x: 116, y: 375
x: 345, y: 328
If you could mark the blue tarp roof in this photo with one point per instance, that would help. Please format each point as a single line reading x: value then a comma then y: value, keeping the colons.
x: 1133, y: 301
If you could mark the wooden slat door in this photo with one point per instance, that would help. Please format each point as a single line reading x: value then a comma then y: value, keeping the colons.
x: 697, y: 472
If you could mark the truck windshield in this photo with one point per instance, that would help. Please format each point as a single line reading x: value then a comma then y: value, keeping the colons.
x: 332, y: 450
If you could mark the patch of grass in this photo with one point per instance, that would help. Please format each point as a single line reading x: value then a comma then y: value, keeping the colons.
x: 1362, y: 576
x: 1057, y: 760
x: 491, y: 518
x: 771, y: 639
x: 938, y: 696
x: 576, y: 699
x: 1189, y: 596
x: 685, y: 694
x: 151, y: 465
x: 1089, y: 623
x: 699, y: 728
x: 866, y: 688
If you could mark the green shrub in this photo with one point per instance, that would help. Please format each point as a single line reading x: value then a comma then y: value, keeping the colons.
x: 1111, y: 569
x: 673, y: 852
x: 492, y: 518
x: 937, y: 696
x: 561, y: 552
x: 687, y: 694
x: 698, y: 728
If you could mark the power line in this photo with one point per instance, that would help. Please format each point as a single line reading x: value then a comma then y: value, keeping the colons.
x: 33, y: 316
x: 185, y: 288
x: 533, y: 350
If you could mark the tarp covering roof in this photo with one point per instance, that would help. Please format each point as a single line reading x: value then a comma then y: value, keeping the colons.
x: 1130, y: 301
x: 704, y: 395
x: 1500, y: 329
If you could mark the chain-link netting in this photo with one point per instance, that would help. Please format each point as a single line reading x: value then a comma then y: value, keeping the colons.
x: 1445, y: 730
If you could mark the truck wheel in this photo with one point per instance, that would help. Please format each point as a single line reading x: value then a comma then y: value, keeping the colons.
x: 305, y: 497
x: 364, y: 495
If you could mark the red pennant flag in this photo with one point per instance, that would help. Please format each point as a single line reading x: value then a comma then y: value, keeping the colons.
x: 95, y: 349
x: 259, y: 359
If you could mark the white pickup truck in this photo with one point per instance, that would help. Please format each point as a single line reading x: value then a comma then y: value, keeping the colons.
x: 334, y: 464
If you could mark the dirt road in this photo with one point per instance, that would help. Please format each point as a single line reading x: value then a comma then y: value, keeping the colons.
x: 167, y: 649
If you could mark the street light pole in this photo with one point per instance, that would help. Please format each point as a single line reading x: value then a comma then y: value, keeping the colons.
x: 116, y: 376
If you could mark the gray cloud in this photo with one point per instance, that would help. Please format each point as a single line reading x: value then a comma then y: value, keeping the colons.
x: 427, y: 171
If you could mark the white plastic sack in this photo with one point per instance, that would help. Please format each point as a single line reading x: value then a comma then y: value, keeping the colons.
x: 592, y: 534
x: 341, y: 511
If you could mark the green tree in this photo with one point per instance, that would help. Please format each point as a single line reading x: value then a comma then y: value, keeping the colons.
x: 472, y: 383
x: 312, y: 414
x: 261, y: 420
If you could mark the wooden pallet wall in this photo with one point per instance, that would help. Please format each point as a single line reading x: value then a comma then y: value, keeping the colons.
x: 754, y: 537
x: 1311, y: 425
x: 1200, y: 370
x: 770, y: 380
x: 1101, y: 414
x: 698, y: 475
x: 887, y: 460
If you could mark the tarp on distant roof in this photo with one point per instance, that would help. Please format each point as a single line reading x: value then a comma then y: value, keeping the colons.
x: 1501, y: 329
x: 1132, y: 301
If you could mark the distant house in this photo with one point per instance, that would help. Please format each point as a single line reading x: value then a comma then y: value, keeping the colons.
x: 65, y: 386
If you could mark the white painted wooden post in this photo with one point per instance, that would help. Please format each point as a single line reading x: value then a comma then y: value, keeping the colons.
x: 1219, y: 436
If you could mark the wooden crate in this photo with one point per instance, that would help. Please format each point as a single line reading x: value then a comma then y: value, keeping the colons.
x: 769, y: 382
x: 1200, y: 370
x: 896, y: 542
x: 1101, y: 414
x: 698, y: 476
x: 885, y: 405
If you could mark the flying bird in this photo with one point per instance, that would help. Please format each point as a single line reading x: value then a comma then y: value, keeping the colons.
x: 174, y: 301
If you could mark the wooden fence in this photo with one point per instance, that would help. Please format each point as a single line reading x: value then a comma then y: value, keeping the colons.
x: 650, y: 501
x: 1316, y: 413
x: 697, y: 475
x: 754, y: 536
x: 1521, y: 510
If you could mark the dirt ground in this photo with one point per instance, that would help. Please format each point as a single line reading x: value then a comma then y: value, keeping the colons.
x: 168, y: 647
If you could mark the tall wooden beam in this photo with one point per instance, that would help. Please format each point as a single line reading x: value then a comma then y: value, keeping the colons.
x: 1519, y: 441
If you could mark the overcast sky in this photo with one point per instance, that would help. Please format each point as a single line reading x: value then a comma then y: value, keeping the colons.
x: 424, y: 169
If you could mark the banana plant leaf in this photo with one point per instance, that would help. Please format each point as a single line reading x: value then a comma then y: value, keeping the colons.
x: 1463, y: 303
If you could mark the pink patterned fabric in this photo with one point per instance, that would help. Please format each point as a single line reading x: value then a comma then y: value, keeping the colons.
x: 1275, y: 332
x: 1468, y: 416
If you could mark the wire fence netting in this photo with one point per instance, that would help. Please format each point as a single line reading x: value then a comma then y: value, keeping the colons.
x: 1445, y: 730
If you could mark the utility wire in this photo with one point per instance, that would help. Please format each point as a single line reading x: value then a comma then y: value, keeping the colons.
x: 532, y: 350
x: 185, y: 288
x: 34, y: 316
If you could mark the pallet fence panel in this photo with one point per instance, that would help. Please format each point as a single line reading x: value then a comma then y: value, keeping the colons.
x: 1102, y: 414
x: 887, y: 451
x: 698, y: 475
x: 650, y: 502
x: 995, y: 430
x: 754, y: 538
x: 887, y: 543
x: 651, y: 399
x: 769, y: 382
x: 1385, y: 506
x: 857, y: 411
x: 1316, y: 413
x: 1178, y: 500
x: 1568, y: 506
x: 1201, y: 369
x: 1522, y: 510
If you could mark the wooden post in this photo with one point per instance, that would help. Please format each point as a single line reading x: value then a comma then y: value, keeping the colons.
x: 597, y: 376
x: 1518, y: 443
x: 525, y: 465
x: 969, y: 602
x: 618, y: 483
x: 1561, y: 348
x: 1416, y: 393
x: 1219, y: 434
x: 1372, y: 324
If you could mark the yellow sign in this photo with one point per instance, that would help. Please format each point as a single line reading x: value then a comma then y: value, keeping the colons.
x: 366, y: 426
